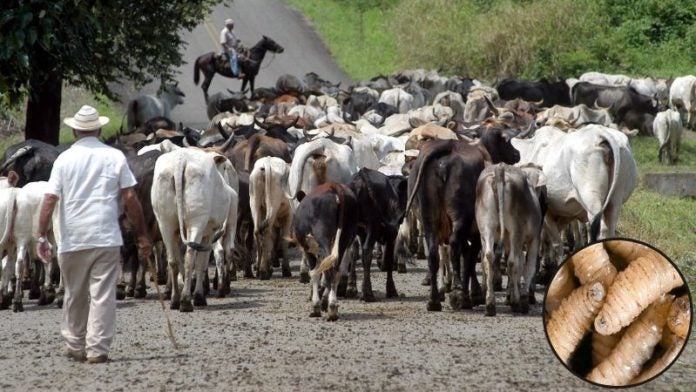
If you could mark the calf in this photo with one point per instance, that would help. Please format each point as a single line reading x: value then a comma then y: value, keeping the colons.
x: 668, y: 129
x: 443, y: 180
x: 271, y: 212
x: 194, y: 198
x: 508, y: 213
x: 382, y: 201
x: 325, y: 224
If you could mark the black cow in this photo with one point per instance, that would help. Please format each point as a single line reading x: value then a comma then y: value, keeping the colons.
x: 620, y: 100
x: 443, y: 180
x: 226, y: 101
x: 382, y: 201
x: 460, y: 85
x: 358, y: 103
x: 143, y: 168
x: 31, y: 159
x: 550, y: 93
x: 325, y: 224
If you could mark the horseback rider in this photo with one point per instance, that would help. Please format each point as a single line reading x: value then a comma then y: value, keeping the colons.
x: 230, y: 46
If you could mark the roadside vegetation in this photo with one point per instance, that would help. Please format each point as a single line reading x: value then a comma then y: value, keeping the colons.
x: 493, y: 39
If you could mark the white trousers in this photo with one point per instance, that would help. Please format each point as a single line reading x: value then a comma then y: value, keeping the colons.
x: 89, y: 304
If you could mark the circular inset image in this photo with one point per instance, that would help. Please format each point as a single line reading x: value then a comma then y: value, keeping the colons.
x: 617, y: 313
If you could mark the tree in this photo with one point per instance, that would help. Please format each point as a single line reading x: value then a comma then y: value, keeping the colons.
x: 88, y: 43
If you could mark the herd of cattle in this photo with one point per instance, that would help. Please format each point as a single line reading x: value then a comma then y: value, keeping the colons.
x: 413, y: 162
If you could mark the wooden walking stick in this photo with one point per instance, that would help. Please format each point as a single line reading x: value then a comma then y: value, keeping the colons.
x: 153, y: 274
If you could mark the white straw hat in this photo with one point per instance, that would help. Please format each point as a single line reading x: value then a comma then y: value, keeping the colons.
x: 229, y: 22
x: 87, y: 119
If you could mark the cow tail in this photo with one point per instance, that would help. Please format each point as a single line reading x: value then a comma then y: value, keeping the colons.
x: 196, y: 71
x: 132, y: 115
x: 666, y: 143
x: 268, y: 172
x: 179, y: 195
x: 297, y: 171
x: 500, y: 185
x: 250, y: 152
x: 330, y: 260
x: 616, y: 154
x: 432, y: 154
x: 9, y: 215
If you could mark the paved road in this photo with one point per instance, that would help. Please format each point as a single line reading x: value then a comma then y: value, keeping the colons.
x: 304, y: 51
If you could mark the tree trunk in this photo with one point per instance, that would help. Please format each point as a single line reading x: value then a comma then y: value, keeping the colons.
x: 43, y: 109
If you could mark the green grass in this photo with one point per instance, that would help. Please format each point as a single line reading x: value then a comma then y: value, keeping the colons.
x: 363, y: 55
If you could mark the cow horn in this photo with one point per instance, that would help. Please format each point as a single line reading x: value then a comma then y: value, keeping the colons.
x: 294, y: 122
x: 537, y: 103
x: 348, y: 141
x: 261, y: 125
x: 221, y: 130
x: 528, y: 131
x: 347, y: 117
x: 596, y: 106
x: 491, y: 106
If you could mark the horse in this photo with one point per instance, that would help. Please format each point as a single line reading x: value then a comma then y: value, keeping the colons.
x: 249, y: 63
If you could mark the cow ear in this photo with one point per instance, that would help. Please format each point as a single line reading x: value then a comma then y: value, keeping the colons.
x: 219, y: 159
x: 12, y: 178
x: 451, y: 125
x: 300, y: 195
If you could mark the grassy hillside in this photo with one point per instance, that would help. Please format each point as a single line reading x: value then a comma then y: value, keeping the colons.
x: 491, y: 39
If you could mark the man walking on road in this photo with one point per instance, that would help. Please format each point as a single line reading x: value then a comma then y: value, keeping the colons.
x: 230, y: 45
x: 88, y: 179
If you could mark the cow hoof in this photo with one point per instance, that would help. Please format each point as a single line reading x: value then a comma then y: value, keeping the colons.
x: 515, y: 307
x: 369, y: 297
x: 498, y: 285
x: 264, y: 275
x: 220, y: 294
x: 466, y: 301
x: 4, y: 302
x: 120, y: 293
x: 524, y: 305
x: 304, y: 277
x: 490, y: 310
x: 59, y: 301
x: 175, y: 305
x: 186, y: 306
x: 286, y: 273
x: 17, y: 307
x: 351, y: 292
x: 420, y: 254
x: 324, y: 304
x: 391, y: 292
x: 316, y: 312
x: 456, y: 299
x: 130, y: 292
x: 42, y: 299
x: 199, y: 300
x: 34, y: 293
x: 333, y: 313
x: 167, y: 294
x: 478, y: 299
x: 426, y: 281
x: 140, y: 292
x: 434, y: 306
x: 401, y: 268
x: 447, y: 287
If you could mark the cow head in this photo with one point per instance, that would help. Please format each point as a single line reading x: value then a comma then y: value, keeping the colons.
x: 496, y: 140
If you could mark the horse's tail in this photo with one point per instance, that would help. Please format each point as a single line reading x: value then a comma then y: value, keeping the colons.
x: 196, y: 71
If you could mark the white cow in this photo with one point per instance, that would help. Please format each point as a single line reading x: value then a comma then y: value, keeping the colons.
x: 320, y: 161
x: 194, y: 198
x: 605, y: 79
x: 19, y: 209
x: 668, y: 129
x: 145, y: 107
x: 454, y: 101
x: 508, y: 213
x: 590, y: 174
x: 398, y: 98
x: 270, y: 211
x: 682, y: 98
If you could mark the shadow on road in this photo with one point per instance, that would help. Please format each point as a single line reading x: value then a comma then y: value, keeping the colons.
x: 234, y: 305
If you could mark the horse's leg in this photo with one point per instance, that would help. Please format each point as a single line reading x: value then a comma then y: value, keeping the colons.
x: 206, y: 82
x: 244, y: 83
